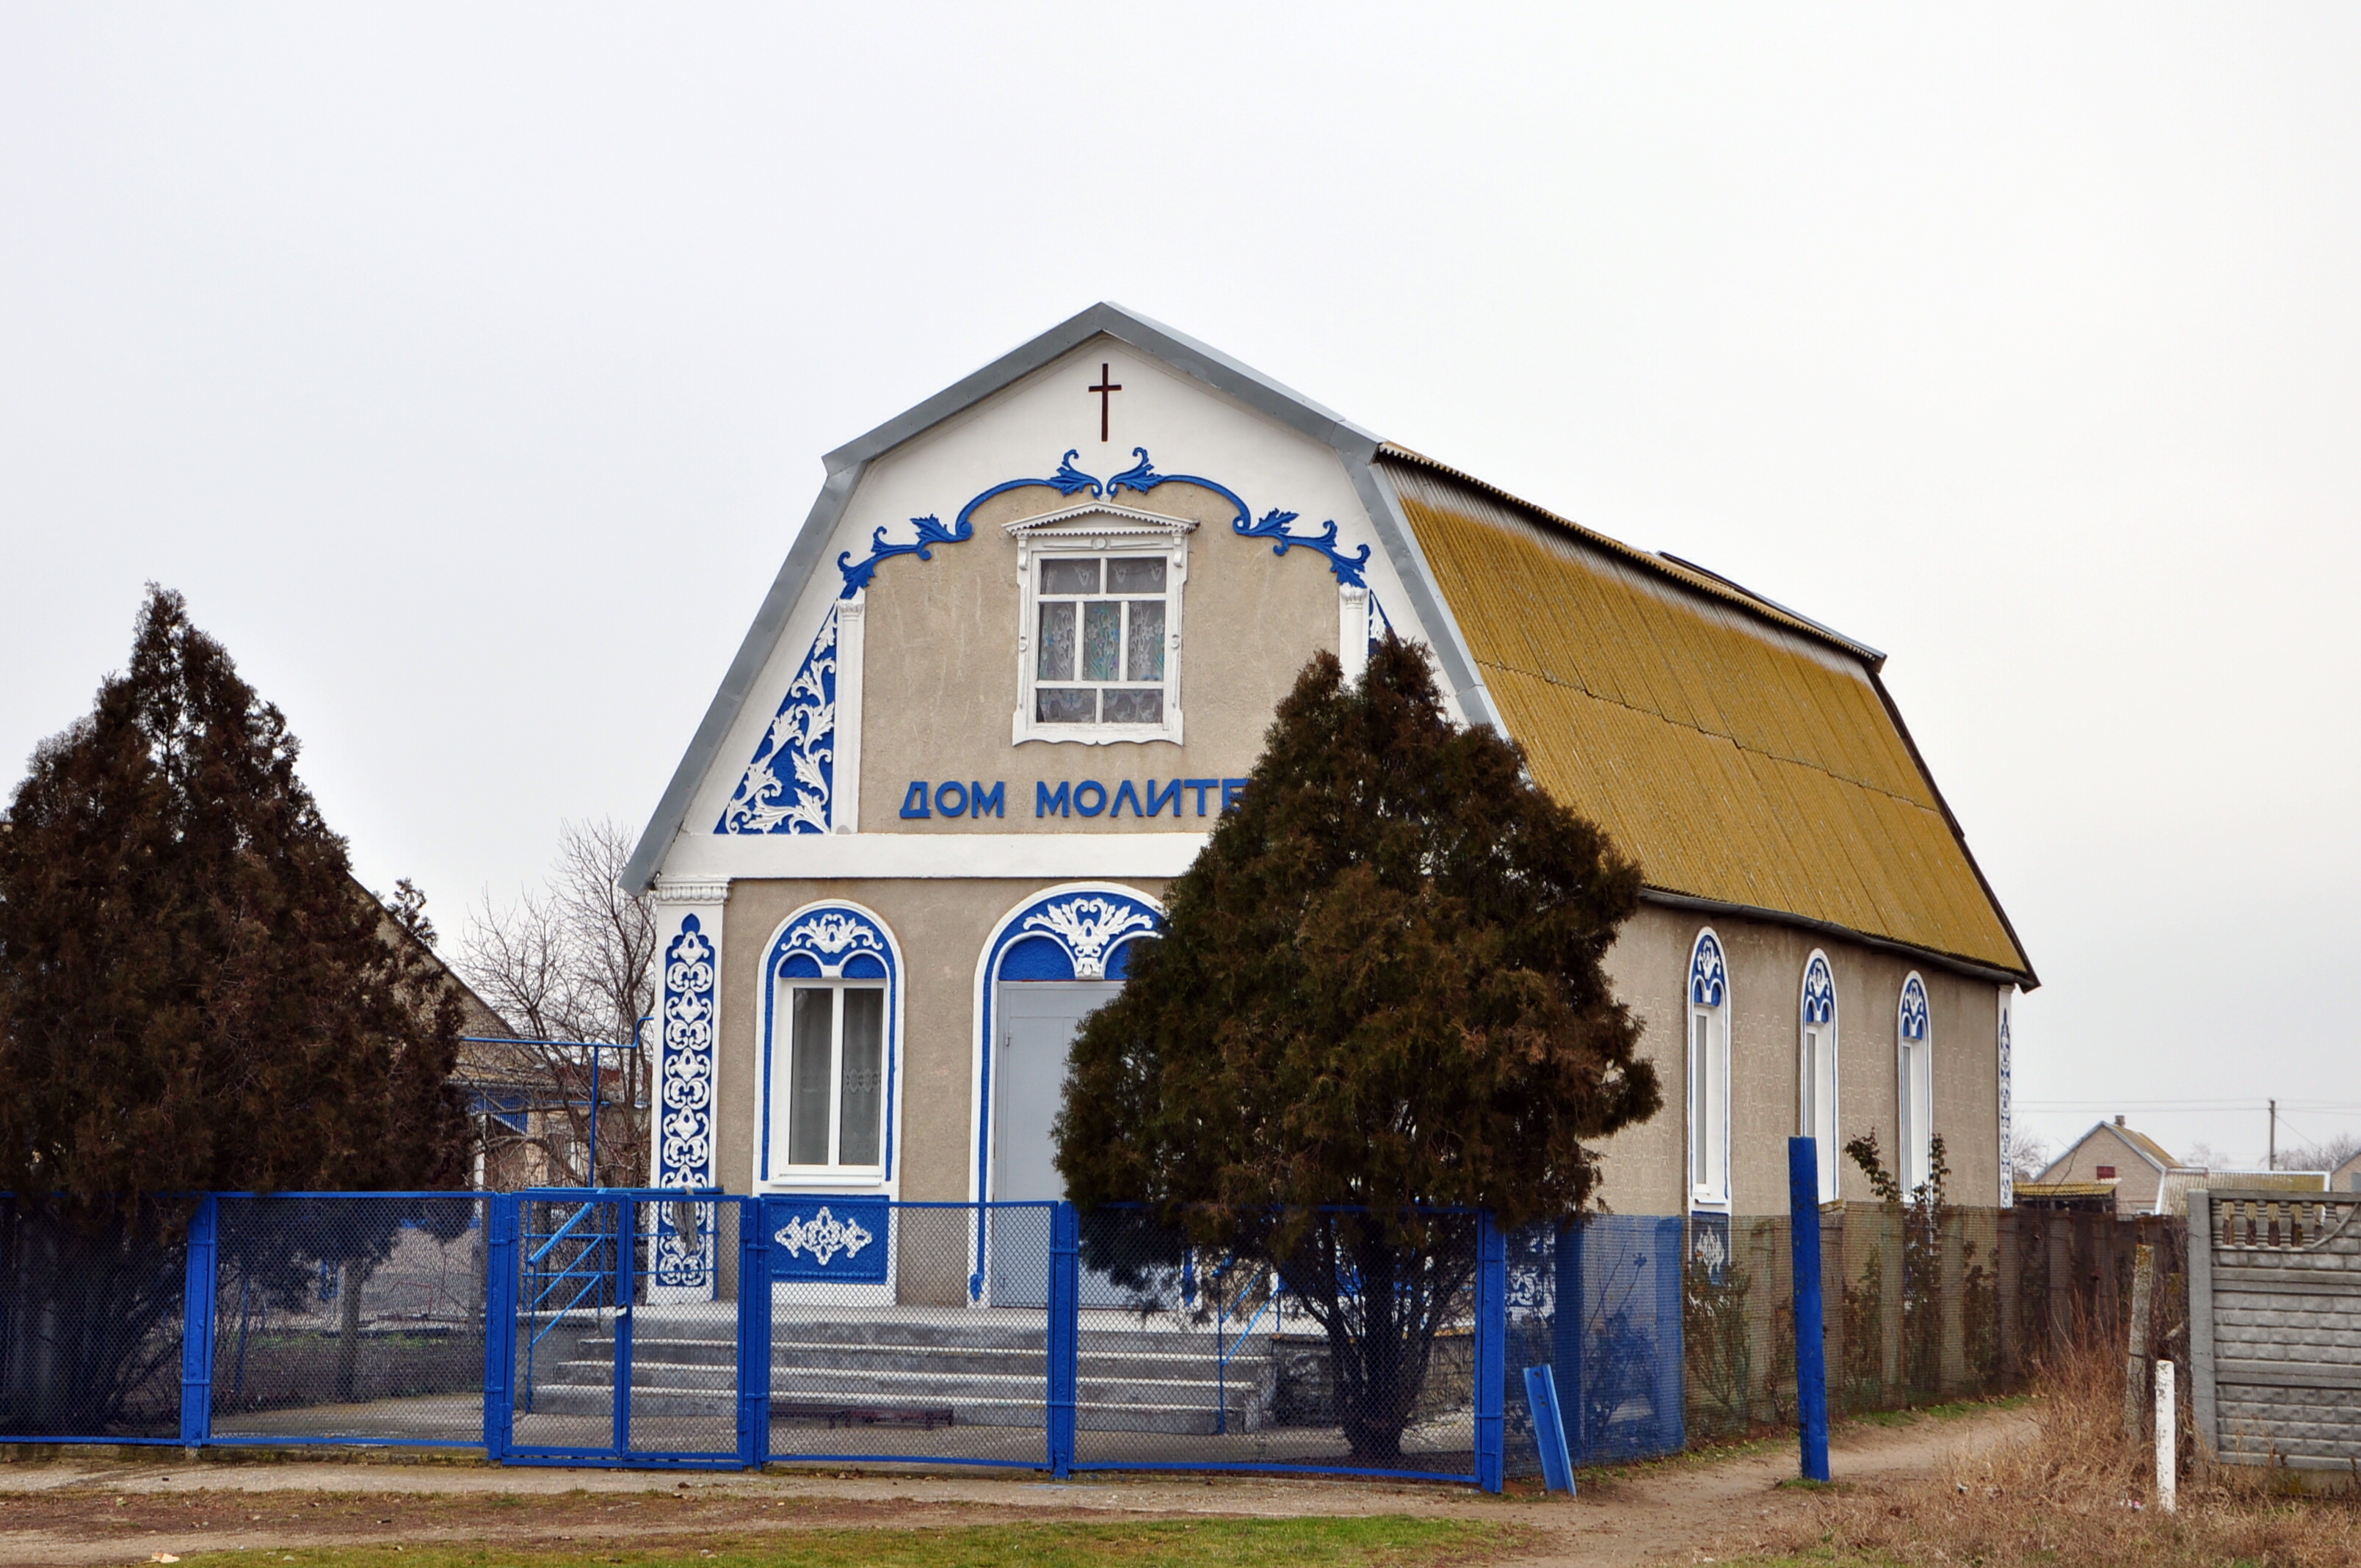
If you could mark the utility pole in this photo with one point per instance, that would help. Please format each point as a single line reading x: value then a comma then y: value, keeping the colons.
x: 2274, y: 1158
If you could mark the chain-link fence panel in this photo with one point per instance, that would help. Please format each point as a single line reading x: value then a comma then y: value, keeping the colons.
x: 1599, y: 1303
x: 684, y: 1372
x: 574, y: 1276
x: 91, y: 1324
x: 1340, y: 1341
x: 908, y: 1331
x: 350, y: 1317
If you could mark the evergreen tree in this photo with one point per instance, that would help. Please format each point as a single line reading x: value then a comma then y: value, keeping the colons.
x: 1381, y: 985
x: 195, y: 995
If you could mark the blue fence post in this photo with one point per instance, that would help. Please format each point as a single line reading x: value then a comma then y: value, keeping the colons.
x: 754, y: 1334
x: 503, y: 1215
x: 1811, y: 1324
x: 1569, y: 1313
x: 1065, y: 1333
x: 1672, y: 1364
x: 1491, y: 1352
x: 626, y: 1258
x: 201, y: 1286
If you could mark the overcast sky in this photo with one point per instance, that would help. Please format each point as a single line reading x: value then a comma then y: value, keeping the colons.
x: 469, y: 368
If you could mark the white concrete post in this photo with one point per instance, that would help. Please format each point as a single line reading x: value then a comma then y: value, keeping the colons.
x: 2167, y: 1428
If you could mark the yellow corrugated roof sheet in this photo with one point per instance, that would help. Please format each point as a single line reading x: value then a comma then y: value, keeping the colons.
x: 1739, y: 752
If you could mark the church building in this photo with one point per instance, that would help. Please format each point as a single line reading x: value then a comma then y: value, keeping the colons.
x: 1019, y: 660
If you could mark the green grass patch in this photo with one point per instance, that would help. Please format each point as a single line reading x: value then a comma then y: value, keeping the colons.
x: 1379, y: 1542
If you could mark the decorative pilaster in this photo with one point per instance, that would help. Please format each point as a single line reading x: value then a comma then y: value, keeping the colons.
x: 851, y: 635
x: 689, y: 977
x: 1352, y: 629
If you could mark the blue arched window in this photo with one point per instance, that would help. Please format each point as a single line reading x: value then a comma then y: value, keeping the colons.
x: 1708, y: 1073
x: 830, y: 1027
x: 1915, y: 1084
x: 1816, y: 1069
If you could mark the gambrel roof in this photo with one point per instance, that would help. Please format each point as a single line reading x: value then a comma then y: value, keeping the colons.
x: 1748, y: 757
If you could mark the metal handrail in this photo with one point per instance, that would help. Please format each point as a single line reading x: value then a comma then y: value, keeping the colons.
x: 563, y: 1231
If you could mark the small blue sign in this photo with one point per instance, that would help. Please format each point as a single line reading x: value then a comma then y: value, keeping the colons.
x: 824, y: 1237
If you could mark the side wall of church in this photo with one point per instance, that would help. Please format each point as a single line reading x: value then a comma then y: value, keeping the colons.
x: 1645, y: 1166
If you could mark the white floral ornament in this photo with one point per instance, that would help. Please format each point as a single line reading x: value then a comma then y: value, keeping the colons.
x: 1087, y: 927
x: 825, y: 1235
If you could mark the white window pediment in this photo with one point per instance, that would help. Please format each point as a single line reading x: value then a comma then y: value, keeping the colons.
x: 1098, y: 636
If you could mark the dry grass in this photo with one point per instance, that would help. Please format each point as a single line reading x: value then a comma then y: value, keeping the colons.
x: 2077, y: 1491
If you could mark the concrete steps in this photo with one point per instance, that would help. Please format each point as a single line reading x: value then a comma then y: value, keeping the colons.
x: 841, y: 1371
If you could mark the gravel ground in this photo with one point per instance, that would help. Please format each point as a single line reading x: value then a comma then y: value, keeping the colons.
x: 75, y: 1510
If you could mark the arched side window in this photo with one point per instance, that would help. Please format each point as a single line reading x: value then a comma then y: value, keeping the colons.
x: 1915, y: 1084
x: 831, y: 1031
x: 1708, y: 1073
x: 1816, y: 1069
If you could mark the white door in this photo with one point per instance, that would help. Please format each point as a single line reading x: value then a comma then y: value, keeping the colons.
x: 1036, y: 1021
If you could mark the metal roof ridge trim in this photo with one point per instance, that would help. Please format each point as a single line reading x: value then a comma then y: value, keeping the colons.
x: 1679, y: 571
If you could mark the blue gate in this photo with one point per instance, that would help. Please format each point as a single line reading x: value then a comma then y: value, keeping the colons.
x: 625, y: 1330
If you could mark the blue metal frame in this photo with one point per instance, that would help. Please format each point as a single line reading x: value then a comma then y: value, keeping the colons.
x: 502, y: 1225
x: 1811, y: 1326
x: 1491, y: 1352
x: 608, y: 1269
x: 203, y: 1283
x: 753, y: 1336
x: 1064, y: 1345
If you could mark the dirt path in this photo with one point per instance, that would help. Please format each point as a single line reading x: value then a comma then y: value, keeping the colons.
x: 75, y: 1512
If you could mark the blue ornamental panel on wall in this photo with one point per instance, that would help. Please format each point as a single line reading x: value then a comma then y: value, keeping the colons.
x: 684, y: 1259
x: 1914, y: 1009
x: 1708, y: 978
x: 1819, y: 992
x: 826, y: 1237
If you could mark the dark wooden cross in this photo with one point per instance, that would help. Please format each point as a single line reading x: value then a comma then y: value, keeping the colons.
x: 1107, y: 384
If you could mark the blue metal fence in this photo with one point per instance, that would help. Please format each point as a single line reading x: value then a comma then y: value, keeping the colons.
x: 676, y: 1329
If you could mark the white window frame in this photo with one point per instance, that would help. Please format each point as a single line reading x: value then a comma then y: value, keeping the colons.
x: 1705, y: 1043
x: 1913, y: 1089
x: 1102, y: 531
x: 1820, y: 1085
x: 783, y: 1072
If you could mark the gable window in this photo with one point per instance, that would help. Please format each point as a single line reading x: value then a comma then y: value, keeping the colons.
x: 1915, y: 1085
x: 2106, y: 1173
x: 1708, y: 1074
x: 1817, y: 1071
x: 1099, y: 646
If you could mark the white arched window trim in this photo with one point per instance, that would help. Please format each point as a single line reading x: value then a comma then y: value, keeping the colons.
x: 1818, y: 1101
x: 1913, y: 1084
x: 830, y: 945
x: 1706, y: 1072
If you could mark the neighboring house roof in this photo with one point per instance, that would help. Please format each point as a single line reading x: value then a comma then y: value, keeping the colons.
x: 2173, y: 1197
x: 2140, y: 1143
x: 1741, y: 753
x: 1749, y: 758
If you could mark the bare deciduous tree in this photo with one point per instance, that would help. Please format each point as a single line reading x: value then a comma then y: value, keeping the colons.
x: 570, y: 962
x: 2029, y: 1155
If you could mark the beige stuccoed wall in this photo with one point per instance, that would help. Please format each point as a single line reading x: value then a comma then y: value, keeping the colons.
x: 940, y: 927
x: 939, y: 670
x: 1645, y: 1170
